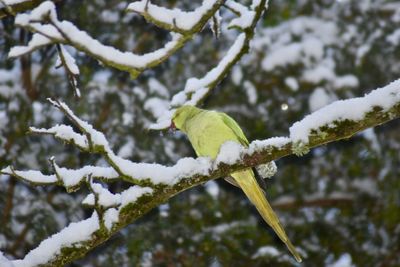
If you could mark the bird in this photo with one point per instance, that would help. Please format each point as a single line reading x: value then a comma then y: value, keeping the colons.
x: 207, y: 131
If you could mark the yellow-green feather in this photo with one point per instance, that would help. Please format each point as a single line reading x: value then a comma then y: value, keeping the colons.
x: 207, y: 131
x: 248, y: 183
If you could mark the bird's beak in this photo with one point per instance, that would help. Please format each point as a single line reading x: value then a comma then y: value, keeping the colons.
x: 172, y: 127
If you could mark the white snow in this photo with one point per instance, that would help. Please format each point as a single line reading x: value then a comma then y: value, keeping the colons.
x: 230, y: 152
x: 276, y: 142
x: 319, y: 98
x: 215, y: 24
x: 156, y: 106
x: 266, y: 251
x: 344, y: 261
x: 350, y: 109
x: 195, y: 84
x: 156, y: 87
x: 158, y: 173
x: 32, y: 176
x: 323, y: 71
x: 212, y: 188
x: 251, y: 92
x: 237, y: 7
x: 110, y: 217
x: 71, y: 177
x: 97, y: 137
x: 89, y: 200
x: 164, y: 121
x: 13, y: 2
x: 37, y: 41
x: 244, y: 21
x: 133, y: 193
x: 69, y: 61
x: 63, y: 132
x: 311, y: 48
x: 394, y: 38
x: 106, y: 199
x: 292, y: 83
x: 48, y: 248
x: 183, y: 20
x: 198, y: 88
x: 369, y: 134
x: 110, y: 16
x: 348, y: 80
x: 237, y: 75
x: 4, y: 262
x: 80, y: 39
x: 113, y: 203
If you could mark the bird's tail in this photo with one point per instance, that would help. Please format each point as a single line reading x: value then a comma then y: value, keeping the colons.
x: 248, y: 183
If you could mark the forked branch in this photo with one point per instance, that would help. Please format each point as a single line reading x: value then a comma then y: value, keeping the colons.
x: 114, y: 211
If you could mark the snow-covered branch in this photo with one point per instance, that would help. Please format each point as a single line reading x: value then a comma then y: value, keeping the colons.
x: 197, y: 89
x: 48, y: 29
x: 176, y: 20
x: 116, y: 210
x: 12, y: 7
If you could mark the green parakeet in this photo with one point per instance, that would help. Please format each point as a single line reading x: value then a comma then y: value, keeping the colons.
x: 207, y: 131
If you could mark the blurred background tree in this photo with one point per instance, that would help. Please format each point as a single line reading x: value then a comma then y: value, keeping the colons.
x: 340, y: 204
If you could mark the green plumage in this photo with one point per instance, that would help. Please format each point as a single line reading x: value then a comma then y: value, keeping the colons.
x: 207, y: 131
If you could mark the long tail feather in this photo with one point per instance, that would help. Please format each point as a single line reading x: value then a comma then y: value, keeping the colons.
x: 248, y: 183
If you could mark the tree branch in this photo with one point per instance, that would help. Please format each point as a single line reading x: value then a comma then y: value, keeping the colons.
x: 376, y: 108
x: 176, y: 20
x: 20, y: 7
x: 197, y: 89
x: 47, y: 29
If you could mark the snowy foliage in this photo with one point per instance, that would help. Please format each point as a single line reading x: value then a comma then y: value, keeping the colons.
x: 291, y: 65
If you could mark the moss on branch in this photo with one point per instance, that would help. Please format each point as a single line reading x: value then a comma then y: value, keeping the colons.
x: 161, y: 194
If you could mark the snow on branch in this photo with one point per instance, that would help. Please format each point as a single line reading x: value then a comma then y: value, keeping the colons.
x: 64, y: 133
x: 71, y: 179
x: 382, y: 102
x: 74, y: 234
x: 48, y: 29
x: 110, y: 205
x: 32, y: 177
x: 68, y: 62
x: 113, y: 211
x: 11, y: 7
x: 93, y: 141
x: 196, y: 90
x: 176, y: 20
x: 245, y: 15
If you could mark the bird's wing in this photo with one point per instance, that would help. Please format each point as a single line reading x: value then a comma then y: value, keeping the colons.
x: 232, y: 124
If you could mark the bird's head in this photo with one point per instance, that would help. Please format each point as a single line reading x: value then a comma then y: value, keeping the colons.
x: 181, y: 115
